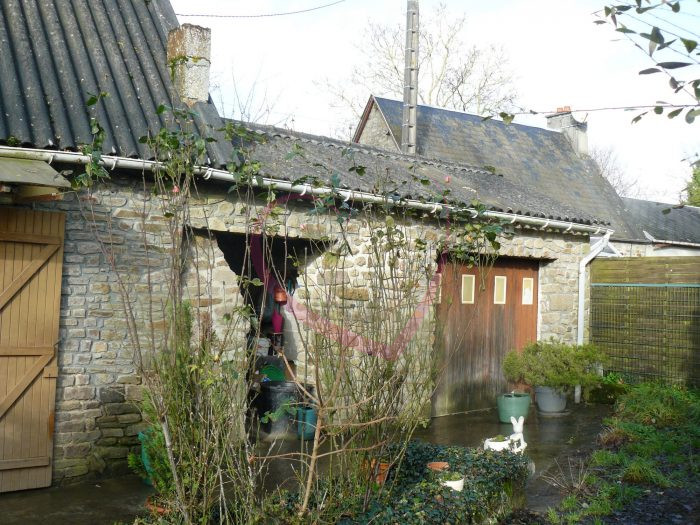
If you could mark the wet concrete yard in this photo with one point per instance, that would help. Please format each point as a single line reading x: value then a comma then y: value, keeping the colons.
x: 122, y: 499
x: 108, y: 501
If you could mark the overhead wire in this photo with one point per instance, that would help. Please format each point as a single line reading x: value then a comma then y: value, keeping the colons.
x: 264, y: 15
x: 674, y: 25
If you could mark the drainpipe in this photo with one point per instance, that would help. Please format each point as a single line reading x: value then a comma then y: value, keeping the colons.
x: 595, y: 251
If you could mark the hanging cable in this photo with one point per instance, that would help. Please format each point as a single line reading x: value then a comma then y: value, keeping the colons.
x: 266, y: 15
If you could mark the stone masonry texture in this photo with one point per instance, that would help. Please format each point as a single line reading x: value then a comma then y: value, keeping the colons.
x: 98, y: 390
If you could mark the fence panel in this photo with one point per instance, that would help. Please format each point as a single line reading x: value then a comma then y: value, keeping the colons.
x: 645, y: 313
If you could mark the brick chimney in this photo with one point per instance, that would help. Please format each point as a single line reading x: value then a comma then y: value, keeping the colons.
x: 189, y: 58
x: 574, y: 130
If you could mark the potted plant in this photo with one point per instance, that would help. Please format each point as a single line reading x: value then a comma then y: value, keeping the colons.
x: 554, y: 368
x: 513, y: 404
x: 378, y: 468
x: 497, y: 443
x: 152, y: 463
x: 451, y: 479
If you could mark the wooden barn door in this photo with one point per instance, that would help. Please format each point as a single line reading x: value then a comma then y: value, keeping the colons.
x: 481, y: 316
x: 31, y: 254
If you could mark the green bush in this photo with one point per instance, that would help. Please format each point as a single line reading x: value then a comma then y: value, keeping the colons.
x: 153, y: 442
x: 414, y: 495
x: 650, y: 441
x: 554, y: 364
x: 417, y: 497
x: 658, y: 405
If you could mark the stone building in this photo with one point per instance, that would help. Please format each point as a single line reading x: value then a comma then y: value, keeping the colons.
x: 552, y: 161
x: 71, y: 361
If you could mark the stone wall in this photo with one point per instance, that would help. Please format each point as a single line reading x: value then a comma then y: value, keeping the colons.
x: 97, y: 420
x: 559, y: 257
x: 212, y: 288
x: 641, y: 249
x: 376, y: 132
x: 96, y: 417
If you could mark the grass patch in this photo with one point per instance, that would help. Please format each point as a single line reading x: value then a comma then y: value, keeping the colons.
x: 606, y: 458
x: 658, y: 405
x: 652, y: 441
x: 643, y: 472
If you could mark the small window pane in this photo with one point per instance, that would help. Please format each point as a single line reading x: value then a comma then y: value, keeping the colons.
x: 468, y: 282
x: 499, y: 290
x: 528, y: 290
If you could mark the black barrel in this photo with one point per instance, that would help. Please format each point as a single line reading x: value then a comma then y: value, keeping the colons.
x: 277, y: 406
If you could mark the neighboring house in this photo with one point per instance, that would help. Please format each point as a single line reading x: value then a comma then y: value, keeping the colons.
x: 552, y: 162
x: 668, y: 230
x: 66, y: 408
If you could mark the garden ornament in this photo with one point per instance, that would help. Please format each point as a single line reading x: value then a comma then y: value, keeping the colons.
x: 515, y: 442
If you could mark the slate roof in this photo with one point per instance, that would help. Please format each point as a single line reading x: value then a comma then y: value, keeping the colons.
x: 400, y: 175
x: 535, y: 159
x: 54, y: 54
x: 678, y: 224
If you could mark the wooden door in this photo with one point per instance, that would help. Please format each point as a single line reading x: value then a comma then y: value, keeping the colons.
x: 31, y: 255
x: 482, y: 314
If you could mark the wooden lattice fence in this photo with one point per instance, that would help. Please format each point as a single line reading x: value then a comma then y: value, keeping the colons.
x: 645, y: 313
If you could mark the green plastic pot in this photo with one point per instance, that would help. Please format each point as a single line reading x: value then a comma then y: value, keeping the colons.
x: 306, y: 423
x: 515, y: 404
x: 144, y: 439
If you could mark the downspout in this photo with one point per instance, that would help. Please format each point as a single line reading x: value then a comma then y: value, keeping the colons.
x: 595, y: 251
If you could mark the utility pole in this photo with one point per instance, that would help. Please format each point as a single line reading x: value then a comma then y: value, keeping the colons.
x: 410, y: 80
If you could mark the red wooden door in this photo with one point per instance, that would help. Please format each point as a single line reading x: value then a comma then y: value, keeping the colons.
x: 483, y: 313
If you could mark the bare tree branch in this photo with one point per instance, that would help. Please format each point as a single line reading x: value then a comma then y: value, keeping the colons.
x: 452, y: 74
x: 610, y: 168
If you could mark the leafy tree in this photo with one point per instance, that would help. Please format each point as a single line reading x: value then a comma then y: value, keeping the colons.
x: 692, y: 189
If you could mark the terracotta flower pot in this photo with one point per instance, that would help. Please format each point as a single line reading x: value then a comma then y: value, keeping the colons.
x: 154, y: 507
x: 379, y: 473
x: 438, y: 466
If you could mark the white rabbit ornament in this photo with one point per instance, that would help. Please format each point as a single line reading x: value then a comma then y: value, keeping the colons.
x: 515, y: 442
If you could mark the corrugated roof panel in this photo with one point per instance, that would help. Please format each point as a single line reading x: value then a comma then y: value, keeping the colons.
x: 55, y: 54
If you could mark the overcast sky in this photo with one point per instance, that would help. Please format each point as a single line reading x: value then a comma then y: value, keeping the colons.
x: 558, y: 56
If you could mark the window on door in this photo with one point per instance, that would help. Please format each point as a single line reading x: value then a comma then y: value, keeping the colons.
x: 499, y: 289
x: 528, y: 290
x: 468, y: 284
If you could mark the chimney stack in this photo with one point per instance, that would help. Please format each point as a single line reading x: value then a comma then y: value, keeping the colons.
x: 574, y: 130
x: 189, y: 58
x: 410, y: 79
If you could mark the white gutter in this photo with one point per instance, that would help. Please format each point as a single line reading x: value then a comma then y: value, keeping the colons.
x: 112, y: 162
x: 654, y: 240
